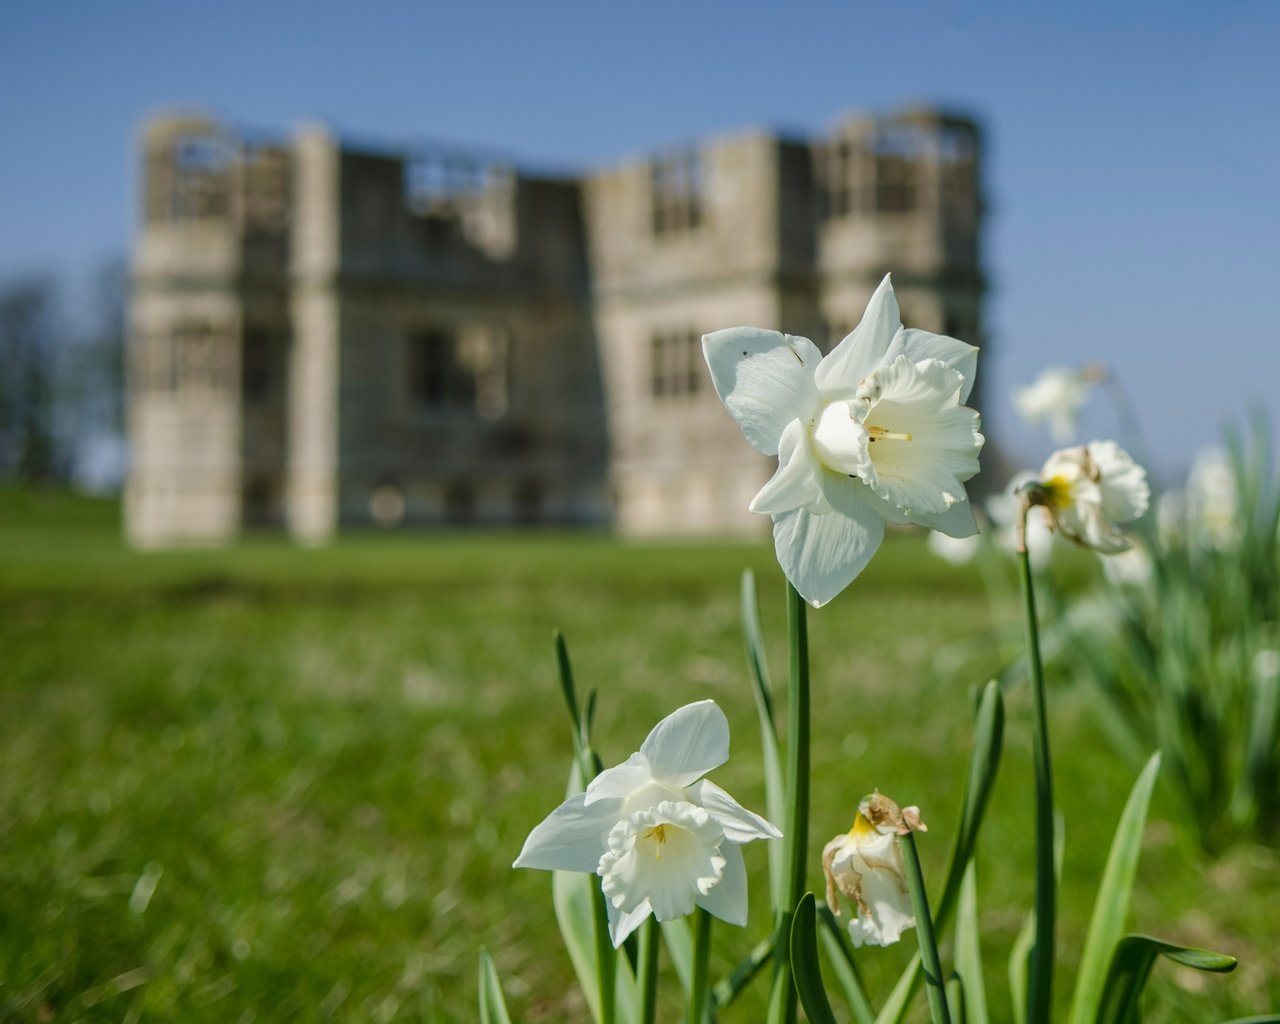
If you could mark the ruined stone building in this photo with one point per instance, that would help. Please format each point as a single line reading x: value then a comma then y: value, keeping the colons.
x: 324, y: 336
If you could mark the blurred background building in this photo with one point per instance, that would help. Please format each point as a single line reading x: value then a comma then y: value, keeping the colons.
x: 322, y: 336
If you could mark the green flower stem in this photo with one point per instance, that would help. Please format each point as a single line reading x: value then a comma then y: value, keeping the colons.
x: 795, y: 830
x: 931, y: 963
x: 1040, y: 983
x: 606, y: 958
x: 700, y: 983
x: 648, y: 970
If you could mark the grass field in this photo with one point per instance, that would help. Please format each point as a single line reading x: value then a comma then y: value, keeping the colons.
x: 275, y: 784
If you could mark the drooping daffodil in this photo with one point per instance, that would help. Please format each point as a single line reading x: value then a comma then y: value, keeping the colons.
x: 1089, y: 492
x: 1055, y: 397
x: 661, y: 837
x: 865, y: 865
x: 875, y: 432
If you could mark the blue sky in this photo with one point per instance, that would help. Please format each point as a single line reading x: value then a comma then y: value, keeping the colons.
x: 1133, y: 163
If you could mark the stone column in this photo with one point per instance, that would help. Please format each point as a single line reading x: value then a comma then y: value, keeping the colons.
x: 311, y: 501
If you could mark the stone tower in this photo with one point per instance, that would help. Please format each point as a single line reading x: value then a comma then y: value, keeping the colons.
x: 325, y: 336
x: 760, y: 230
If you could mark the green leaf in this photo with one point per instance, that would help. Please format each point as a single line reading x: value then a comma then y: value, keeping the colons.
x: 1019, y: 968
x: 564, y: 671
x: 493, y: 1007
x: 795, y: 825
x: 762, y: 691
x: 1260, y: 751
x: 805, y: 971
x: 968, y: 954
x: 1112, y: 904
x: 956, y: 1000
x: 984, y: 759
x: 840, y: 953
x: 1131, y: 965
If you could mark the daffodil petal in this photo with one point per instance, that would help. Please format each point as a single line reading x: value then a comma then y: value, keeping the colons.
x: 740, y: 825
x: 886, y: 896
x: 795, y: 484
x: 765, y: 380
x: 957, y: 521
x: 841, y: 442
x: 916, y: 345
x: 622, y: 924
x: 1125, y: 491
x: 728, y: 899
x: 864, y: 349
x: 573, y: 837
x: 687, y: 744
x: 821, y: 554
x: 621, y: 780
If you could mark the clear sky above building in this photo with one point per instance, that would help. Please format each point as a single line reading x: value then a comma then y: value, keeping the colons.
x: 1133, y: 164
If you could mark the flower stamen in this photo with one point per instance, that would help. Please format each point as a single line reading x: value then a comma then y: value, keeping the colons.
x: 881, y: 434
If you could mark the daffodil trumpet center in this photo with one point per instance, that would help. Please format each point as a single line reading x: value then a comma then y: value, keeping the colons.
x: 667, y: 855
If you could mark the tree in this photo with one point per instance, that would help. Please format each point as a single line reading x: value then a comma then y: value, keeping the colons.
x: 30, y: 331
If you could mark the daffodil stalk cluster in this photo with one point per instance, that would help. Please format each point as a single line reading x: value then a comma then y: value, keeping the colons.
x: 646, y: 854
x: 1177, y: 641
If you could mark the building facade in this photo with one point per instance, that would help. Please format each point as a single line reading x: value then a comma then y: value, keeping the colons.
x: 324, y: 336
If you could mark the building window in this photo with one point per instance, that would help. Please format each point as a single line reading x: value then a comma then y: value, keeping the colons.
x: 202, y: 357
x: 897, y: 160
x: 190, y: 180
x: 265, y: 198
x: 676, y: 364
x: 262, y: 363
x: 844, y: 178
x: 958, y: 170
x: 677, y: 194
x: 193, y: 355
x: 463, y: 370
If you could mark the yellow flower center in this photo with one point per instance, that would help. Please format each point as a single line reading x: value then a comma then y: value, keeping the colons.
x: 1058, y: 491
x: 862, y: 828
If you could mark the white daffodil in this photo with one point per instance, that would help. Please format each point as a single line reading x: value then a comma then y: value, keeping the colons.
x: 865, y: 864
x: 1090, y: 491
x: 874, y: 432
x: 1213, y: 499
x: 662, y: 838
x: 1056, y: 397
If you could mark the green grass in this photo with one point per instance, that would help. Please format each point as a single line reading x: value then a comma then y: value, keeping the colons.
x: 276, y: 784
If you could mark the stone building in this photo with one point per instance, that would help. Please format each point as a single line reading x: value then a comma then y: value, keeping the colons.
x: 324, y: 336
